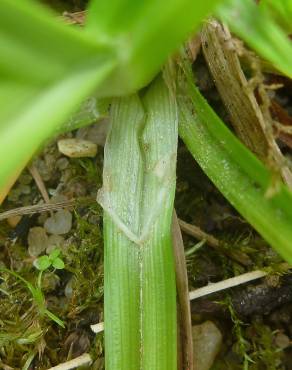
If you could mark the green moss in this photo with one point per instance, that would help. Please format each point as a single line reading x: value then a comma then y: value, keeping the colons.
x: 264, y: 352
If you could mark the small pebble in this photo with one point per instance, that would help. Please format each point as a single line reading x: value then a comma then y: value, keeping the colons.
x: 273, y: 281
x: 77, y: 189
x: 50, y: 282
x: 77, y: 148
x: 60, y: 223
x: 25, y: 189
x: 69, y: 288
x: 25, y: 179
x: 54, y: 241
x: 94, y: 219
x: 37, y: 241
x: 62, y: 163
x: 14, y: 195
x: 42, y: 218
x: 43, y: 169
x: 282, y: 341
x: 57, y: 198
x: 96, y: 133
x: 13, y: 220
x: 207, y: 340
x: 50, y: 160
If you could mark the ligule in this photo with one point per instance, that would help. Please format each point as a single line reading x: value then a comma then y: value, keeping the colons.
x: 137, y: 196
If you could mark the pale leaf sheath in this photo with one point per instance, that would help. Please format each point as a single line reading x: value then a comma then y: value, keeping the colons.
x: 138, y: 192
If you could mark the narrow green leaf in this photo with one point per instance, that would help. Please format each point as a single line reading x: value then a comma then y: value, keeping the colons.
x: 280, y: 10
x: 55, y: 318
x: 259, y: 30
x: 46, y: 69
x: 36, y: 48
x: 30, y: 337
x: 35, y: 292
x: 24, y: 124
x: 142, y: 35
x: 235, y: 171
x: 29, y: 360
x: 24, y: 281
x: 137, y: 195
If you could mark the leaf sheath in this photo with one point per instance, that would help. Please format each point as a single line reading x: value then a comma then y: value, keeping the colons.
x: 137, y: 195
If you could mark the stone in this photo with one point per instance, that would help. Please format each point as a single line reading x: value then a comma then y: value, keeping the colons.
x: 25, y: 189
x: 25, y: 178
x: 69, y: 288
x: 14, y: 195
x: 13, y: 220
x: 62, y: 163
x: 96, y: 133
x: 58, y: 198
x: 282, y: 341
x: 44, y: 170
x: 50, y: 282
x: 207, y: 340
x: 60, y: 223
x: 37, y: 241
x: 77, y: 148
x: 54, y: 241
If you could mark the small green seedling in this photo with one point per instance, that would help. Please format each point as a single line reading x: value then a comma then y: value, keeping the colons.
x: 42, y: 263
x: 53, y: 259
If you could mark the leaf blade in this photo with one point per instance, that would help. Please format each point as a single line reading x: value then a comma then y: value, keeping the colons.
x: 143, y: 34
x: 24, y: 125
x: 56, y: 62
x: 258, y: 29
x: 235, y: 171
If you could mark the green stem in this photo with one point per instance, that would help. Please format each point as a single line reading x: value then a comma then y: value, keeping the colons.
x: 137, y: 195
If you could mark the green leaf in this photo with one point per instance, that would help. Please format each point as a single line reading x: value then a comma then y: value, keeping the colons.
x: 29, y: 360
x: 59, y: 68
x: 54, y: 254
x: 142, y: 35
x: 235, y: 171
x: 42, y: 263
x: 280, y: 10
x: 28, y: 338
x: 259, y: 30
x: 137, y: 196
x: 37, y: 295
x: 58, y: 264
x: 55, y: 318
x: 30, y: 287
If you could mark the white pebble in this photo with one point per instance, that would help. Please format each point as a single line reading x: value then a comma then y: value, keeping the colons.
x: 60, y: 223
x: 77, y: 148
